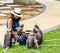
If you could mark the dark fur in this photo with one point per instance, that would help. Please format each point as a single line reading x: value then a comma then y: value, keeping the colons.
x: 37, y: 35
x: 20, y: 29
x: 8, y: 39
x: 20, y: 32
x: 8, y: 36
x: 30, y: 41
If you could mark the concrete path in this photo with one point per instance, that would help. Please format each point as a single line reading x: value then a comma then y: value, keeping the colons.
x: 2, y: 32
x: 48, y: 19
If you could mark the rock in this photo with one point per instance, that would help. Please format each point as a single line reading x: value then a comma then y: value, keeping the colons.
x: 25, y: 1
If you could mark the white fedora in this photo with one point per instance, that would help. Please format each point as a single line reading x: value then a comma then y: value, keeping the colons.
x: 17, y: 12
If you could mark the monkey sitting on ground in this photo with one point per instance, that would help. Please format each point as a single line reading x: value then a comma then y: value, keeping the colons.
x: 39, y: 34
x: 34, y: 38
x: 31, y: 41
x: 8, y: 39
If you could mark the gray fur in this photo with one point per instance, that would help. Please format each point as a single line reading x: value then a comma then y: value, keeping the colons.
x: 20, y: 29
x: 39, y: 34
x: 7, y: 39
x: 31, y: 41
x: 34, y: 39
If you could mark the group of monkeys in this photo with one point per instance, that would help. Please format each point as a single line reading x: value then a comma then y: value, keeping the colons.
x: 34, y: 38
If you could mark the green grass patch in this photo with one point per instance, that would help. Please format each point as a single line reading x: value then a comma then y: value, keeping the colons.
x: 52, y: 46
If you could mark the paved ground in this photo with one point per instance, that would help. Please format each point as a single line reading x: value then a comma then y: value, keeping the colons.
x: 48, y: 19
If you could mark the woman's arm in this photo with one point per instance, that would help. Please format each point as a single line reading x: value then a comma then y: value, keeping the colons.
x: 10, y: 23
x: 10, y: 26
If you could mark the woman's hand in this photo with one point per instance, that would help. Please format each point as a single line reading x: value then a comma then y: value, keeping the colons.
x: 14, y: 33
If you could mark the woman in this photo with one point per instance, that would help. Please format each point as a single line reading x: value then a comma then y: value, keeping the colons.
x: 13, y: 21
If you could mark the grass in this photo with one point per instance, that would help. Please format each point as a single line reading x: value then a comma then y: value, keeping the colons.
x: 52, y: 46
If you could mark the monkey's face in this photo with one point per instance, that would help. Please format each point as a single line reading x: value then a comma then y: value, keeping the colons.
x: 35, y: 30
x: 19, y: 30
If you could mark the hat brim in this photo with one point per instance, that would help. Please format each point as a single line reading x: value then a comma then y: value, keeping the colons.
x: 16, y: 14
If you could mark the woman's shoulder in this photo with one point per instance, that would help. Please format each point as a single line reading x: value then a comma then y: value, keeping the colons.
x: 10, y: 20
